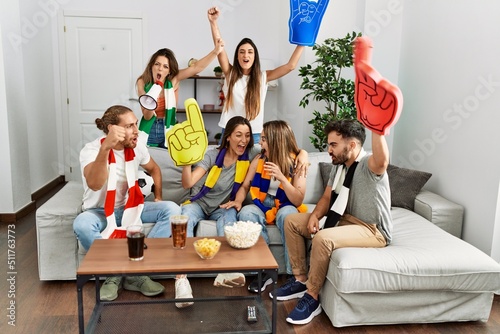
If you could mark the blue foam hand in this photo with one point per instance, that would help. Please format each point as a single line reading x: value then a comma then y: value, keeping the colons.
x: 305, y: 20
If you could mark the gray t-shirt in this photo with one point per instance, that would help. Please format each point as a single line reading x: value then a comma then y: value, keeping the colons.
x: 221, y: 191
x: 369, y: 197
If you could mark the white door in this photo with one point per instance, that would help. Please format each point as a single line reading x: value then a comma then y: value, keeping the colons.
x: 103, y: 60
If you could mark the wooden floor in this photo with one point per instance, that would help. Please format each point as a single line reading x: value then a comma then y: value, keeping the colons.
x: 51, y: 307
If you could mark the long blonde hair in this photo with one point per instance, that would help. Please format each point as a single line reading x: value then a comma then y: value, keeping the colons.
x: 252, y: 96
x: 282, y: 146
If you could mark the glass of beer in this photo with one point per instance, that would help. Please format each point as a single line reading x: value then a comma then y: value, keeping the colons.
x: 135, y: 240
x: 178, y: 224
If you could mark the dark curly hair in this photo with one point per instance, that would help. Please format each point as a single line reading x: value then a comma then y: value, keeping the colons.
x: 347, y: 128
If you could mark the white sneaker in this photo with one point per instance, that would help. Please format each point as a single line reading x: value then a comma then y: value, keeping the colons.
x: 183, y: 290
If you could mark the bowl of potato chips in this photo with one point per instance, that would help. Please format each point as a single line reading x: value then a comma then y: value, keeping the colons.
x: 206, y: 248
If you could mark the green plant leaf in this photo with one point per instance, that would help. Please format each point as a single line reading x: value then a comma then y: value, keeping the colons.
x: 322, y: 81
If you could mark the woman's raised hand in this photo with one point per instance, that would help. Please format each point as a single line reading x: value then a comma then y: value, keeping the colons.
x: 213, y: 13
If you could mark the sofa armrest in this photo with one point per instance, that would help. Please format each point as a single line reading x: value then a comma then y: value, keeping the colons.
x: 442, y: 212
x: 56, y: 241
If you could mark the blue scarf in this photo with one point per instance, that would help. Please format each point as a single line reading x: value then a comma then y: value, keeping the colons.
x: 259, y: 188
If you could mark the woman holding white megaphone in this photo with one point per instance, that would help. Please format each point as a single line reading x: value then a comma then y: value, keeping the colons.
x: 157, y: 90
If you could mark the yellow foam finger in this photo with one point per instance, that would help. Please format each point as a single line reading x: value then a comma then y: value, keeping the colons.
x: 193, y: 115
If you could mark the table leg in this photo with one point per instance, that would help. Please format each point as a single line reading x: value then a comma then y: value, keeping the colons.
x: 274, y: 276
x: 259, y: 279
x: 97, y: 290
x: 80, y: 281
x: 275, y: 306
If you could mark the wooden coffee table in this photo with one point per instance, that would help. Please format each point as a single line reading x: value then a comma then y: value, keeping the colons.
x: 109, y: 257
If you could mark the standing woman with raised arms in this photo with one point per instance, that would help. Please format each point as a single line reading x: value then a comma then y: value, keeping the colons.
x: 245, y: 85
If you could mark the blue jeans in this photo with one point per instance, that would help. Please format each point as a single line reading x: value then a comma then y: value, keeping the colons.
x: 157, y: 133
x: 89, y: 224
x: 195, y: 213
x: 256, y: 137
x: 252, y: 212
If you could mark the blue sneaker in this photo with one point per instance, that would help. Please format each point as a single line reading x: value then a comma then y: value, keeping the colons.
x: 305, y: 311
x: 290, y: 290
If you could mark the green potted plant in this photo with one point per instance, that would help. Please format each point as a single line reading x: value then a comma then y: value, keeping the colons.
x: 324, y: 82
x: 218, y: 71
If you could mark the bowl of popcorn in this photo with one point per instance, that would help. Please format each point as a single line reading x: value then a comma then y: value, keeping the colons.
x: 242, y: 234
x: 206, y: 248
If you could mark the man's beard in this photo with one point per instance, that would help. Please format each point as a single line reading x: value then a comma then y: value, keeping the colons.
x: 341, y: 158
x: 129, y: 143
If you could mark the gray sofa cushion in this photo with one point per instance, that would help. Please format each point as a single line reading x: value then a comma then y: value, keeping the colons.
x: 171, y: 176
x: 313, y: 191
x: 405, y: 185
x: 325, y: 168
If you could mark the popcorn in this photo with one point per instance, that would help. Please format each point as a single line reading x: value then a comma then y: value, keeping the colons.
x: 242, y: 234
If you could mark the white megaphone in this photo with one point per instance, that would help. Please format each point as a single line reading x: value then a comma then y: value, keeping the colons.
x: 148, y: 100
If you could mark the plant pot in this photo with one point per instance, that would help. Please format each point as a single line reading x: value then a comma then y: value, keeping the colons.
x: 218, y: 74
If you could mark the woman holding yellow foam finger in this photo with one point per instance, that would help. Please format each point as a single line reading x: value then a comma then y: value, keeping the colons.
x: 227, y: 167
x: 276, y: 189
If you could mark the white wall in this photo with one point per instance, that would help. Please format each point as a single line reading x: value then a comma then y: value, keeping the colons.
x: 14, y: 113
x: 495, y: 249
x: 443, y: 54
x: 40, y: 102
x: 450, y: 78
x: 5, y: 165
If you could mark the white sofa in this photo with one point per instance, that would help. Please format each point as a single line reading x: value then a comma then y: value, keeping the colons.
x: 427, y: 274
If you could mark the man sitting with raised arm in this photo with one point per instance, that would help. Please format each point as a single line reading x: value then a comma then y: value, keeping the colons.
x: 111, y: 199
x: 357, y: 199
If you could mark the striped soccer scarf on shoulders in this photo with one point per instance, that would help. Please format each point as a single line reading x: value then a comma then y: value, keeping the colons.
x: 242, y: 165
x: 170, y: 109
x: 258, y: 191
x: 338, y: 202
x: 135, y: 201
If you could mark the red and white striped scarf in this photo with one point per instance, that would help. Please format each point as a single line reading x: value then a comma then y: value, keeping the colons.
x: 135, y: 200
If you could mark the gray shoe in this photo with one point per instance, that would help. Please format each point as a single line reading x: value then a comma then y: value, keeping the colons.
x: 110, y: 287
x: 143, y: 284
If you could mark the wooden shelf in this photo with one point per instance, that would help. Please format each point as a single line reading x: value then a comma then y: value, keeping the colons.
x: 202, y: 77
x: 209, y: 77
x: 215, y: 111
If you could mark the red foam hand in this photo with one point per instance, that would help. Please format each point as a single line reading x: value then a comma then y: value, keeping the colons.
x: 378, y: 102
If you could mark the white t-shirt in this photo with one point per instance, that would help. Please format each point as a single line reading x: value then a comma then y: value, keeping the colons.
x: 95, y: 199
x: 238, y: 107
x: 273, y: 187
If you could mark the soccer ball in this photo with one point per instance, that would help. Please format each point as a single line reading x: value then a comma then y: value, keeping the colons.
x: 145, y: 183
